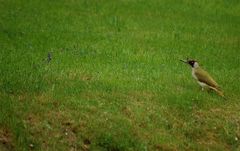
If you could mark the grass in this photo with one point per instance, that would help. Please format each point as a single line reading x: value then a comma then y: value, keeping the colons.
x: 115, y: 81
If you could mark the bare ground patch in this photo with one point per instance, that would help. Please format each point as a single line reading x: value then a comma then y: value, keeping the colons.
x: 6, y: 139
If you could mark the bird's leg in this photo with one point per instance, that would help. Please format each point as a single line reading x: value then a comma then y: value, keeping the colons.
x: 202, y: 88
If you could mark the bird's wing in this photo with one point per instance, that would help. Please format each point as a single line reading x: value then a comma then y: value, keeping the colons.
x: 204, y: 77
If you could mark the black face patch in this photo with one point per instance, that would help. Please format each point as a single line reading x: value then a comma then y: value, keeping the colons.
x: 191, y: 62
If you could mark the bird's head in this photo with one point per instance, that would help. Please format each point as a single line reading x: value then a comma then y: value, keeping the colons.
x: 191, y: 62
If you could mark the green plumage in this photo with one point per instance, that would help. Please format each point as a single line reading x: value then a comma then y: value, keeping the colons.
x: 204, y: 77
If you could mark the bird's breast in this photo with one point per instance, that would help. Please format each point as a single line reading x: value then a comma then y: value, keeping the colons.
x: 193, y: 74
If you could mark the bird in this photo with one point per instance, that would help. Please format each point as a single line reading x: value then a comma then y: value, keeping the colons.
x: 203, y: 77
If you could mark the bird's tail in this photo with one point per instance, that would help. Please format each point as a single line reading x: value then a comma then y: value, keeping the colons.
x: 218, y: 91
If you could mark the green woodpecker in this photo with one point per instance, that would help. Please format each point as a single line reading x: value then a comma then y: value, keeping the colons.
x: 203, y: 78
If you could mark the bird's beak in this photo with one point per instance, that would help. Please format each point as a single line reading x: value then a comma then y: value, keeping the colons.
x: 184, y: 61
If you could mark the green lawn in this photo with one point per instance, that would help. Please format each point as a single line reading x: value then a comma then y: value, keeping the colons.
x: 115, y: 82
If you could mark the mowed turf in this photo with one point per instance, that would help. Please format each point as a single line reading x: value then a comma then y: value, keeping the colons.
x: 105, y: 75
